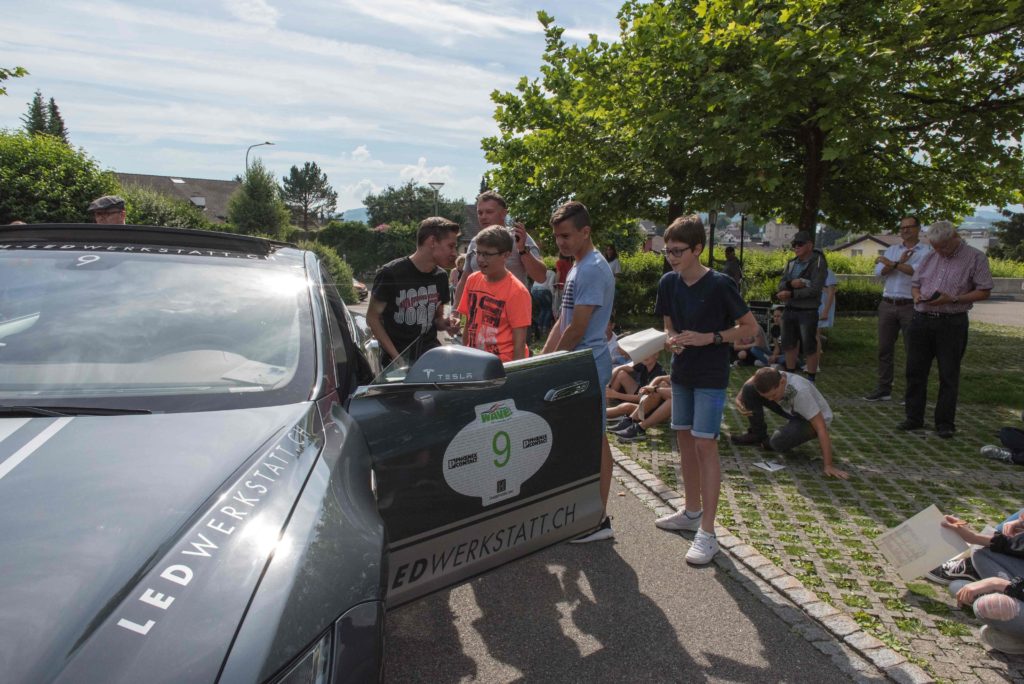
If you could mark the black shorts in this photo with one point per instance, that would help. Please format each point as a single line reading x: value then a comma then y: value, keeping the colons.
x: 800, y: 326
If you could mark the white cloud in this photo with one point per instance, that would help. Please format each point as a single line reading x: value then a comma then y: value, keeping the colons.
x: 258, y: 12
x: 421, y: 173
x: 361, y: 154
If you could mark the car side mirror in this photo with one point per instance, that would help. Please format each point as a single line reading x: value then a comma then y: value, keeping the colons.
x: 455, y: 365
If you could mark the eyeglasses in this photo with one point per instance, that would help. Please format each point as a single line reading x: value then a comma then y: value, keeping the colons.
x: 798, y: 243
x: 676, y: 251
x: 488, y: 255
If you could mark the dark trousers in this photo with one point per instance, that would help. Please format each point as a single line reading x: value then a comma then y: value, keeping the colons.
x: 795, y: 432
x: 1013, y: 439
x: 892, y: 320
x: 942, y: 339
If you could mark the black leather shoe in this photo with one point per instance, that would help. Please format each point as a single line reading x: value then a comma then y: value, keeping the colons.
x: 910, y: 425
x: 945, y: 432
x: 749, y: 439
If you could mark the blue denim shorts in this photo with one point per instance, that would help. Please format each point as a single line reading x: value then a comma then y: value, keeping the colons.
x: 697, y: 410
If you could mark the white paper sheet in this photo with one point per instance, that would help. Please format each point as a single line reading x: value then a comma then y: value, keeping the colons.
x: 919, y: 544
x: 640, y: 345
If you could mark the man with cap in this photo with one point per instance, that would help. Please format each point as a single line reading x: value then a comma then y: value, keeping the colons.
x: 108, y: 210
x: 800, y: 292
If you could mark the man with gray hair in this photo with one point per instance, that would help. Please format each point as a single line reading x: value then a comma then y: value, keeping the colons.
x: 948, y: 281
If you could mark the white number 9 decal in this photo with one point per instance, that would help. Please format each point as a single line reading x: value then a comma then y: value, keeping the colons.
x: 87, y: 259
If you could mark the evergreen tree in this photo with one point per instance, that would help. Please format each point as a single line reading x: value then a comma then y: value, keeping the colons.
x: 256, y: 207
x: 55, y: 122
x: 307, y: 192
x: 35, y: 117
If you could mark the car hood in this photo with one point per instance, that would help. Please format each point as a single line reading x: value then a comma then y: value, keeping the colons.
x: 130, y: 541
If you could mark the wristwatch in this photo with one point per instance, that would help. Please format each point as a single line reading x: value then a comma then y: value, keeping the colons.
x: 717, y: 337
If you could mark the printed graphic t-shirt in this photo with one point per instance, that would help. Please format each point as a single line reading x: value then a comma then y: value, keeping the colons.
x: 712, y: 304
x: 492, y: 310
x: 802, y: 398
x: 411, y: 299
x: 591, y: 283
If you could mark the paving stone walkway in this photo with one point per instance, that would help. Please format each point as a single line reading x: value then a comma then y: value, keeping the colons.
x: 818, y: 533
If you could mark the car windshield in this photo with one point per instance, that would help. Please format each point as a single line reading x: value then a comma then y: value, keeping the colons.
x: 157, y: 331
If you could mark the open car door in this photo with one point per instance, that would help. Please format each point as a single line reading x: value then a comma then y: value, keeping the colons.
x: 477, y: 464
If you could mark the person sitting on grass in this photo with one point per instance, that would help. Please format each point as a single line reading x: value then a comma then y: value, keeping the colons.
x: 797, y: 400
x: 749, y: 350
x: 628, y: 378
x: 997, y: 598
x: 653, y: 407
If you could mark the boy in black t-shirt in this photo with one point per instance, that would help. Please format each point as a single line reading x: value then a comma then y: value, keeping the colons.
x: 703, y: 313
x: 407, y: 300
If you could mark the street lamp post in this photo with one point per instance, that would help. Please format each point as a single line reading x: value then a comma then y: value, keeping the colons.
x: 436, y: 185
x: 249, y: 148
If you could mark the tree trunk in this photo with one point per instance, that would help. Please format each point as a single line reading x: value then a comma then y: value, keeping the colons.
x: 814, y: 177
x: 675, y: 210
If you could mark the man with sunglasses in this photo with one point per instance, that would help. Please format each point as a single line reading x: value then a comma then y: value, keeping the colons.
x: 800, y: 292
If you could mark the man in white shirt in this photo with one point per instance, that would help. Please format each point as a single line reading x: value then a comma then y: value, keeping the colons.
x: 896, y: 309
x: 797, y: 400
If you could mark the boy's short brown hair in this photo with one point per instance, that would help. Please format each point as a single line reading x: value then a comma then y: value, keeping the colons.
x: 436, y: 227
x: 496, y: 237
x: 686, y: 229
x: 766, y: 379
x: 571, y: 211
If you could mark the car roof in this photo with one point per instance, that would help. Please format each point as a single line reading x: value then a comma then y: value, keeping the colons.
x: 144, y: 235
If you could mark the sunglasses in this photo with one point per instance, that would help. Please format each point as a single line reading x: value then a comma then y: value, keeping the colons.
x: 676, y: 251
x: 798, y: 243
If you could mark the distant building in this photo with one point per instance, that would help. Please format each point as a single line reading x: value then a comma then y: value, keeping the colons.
x: 867, y: 245
x: 779, y: 234
x: 976, y: 236
x: 210, y: 196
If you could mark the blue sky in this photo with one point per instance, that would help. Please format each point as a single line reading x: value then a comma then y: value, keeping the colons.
x: 376, y: 92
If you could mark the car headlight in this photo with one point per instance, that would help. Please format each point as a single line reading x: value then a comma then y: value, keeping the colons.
x: 313, y: 666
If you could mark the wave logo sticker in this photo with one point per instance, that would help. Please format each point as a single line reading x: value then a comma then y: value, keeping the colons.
x: 496, y: 453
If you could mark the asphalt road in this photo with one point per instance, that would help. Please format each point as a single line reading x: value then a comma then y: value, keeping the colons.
x: 630, y: 610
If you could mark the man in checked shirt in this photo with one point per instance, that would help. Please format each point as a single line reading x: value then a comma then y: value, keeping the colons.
x: 945, y: 285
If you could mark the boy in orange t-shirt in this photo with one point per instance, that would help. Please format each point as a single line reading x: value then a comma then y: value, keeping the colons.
x: 497, y: 307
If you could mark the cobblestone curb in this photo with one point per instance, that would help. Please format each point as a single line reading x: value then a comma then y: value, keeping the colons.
x: 858, y: 654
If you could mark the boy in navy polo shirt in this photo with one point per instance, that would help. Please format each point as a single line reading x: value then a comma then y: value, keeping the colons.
x: 703, y: 313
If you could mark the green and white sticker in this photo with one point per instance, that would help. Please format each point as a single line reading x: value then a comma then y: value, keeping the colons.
x: 495, y: 454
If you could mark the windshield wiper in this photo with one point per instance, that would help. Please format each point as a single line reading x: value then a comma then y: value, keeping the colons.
x: 59, y: 411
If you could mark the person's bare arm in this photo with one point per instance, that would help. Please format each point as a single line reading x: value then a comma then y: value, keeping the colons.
x: 573, y: 334
x: 374, y: 319
x: 821, y: 429
x: 553, y: 339
x: 519, y: 343
x: 534, y: 266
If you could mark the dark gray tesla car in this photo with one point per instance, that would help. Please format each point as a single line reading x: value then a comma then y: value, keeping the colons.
x: 203, y: 478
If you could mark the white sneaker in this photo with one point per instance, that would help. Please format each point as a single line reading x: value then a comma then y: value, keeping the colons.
x: 703, y: 549
x: 601, y: 533
x: 678, y: 521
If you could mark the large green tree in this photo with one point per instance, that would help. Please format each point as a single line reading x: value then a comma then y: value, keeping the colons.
x: 308, y: 193
x: 42, y: 180
x: 410, y: 203
x: 855, y: 112
x: 55, y: 122
x: 35, y: 117
x: 256, y: 206
x: 1010, y: 234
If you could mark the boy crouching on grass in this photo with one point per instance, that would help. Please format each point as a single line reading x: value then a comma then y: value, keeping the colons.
x: 498, y: 309
x: 798, y: 401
